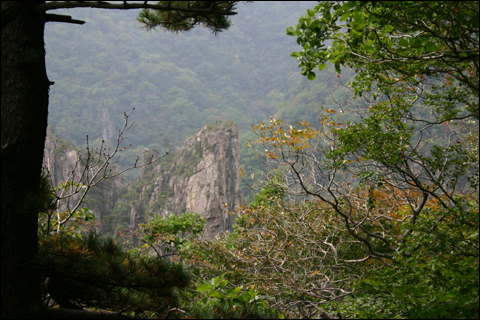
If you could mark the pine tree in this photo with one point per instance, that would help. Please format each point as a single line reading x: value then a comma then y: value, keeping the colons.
x: 92, y: 272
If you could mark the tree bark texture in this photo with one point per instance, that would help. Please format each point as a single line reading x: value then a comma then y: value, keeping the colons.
x: 24, y: 109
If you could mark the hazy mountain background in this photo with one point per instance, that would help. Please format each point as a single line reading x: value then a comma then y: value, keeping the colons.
x: 178, y: 83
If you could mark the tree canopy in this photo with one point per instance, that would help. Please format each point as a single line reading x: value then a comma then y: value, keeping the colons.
x: 391, y: 44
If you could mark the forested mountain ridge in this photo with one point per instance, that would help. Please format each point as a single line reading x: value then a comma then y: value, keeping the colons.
x: 177, y: 83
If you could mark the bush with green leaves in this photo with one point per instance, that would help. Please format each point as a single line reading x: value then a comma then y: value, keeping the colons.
x: 175, y: 230
x: 435, y: 275
x: 219, y: 301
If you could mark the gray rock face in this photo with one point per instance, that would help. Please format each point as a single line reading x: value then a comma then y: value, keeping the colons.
x: 61, y: 160
x: 202, y: 177
x: 108, y: 127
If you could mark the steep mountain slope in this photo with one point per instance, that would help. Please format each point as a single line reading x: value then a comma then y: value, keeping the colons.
x: 201, y: 177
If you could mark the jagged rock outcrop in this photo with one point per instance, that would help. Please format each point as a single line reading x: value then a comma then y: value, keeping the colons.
x: 61, y: 160
x: 108, y: 127
x: 201, y: 177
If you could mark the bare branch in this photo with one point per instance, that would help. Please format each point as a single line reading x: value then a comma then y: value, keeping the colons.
x: 87, y: 173
x: 177, y: 310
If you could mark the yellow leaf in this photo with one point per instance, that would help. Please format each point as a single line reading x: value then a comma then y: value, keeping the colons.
x: 330, y: 111
x: 252, y: 286
x: 315, y: 109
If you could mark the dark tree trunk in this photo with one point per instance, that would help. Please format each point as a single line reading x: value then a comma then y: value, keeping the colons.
x: 24, y: 109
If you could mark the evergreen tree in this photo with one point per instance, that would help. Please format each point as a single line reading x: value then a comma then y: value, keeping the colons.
x: 95, y: 272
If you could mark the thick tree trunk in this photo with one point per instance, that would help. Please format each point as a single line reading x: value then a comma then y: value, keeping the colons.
x: 24, y: 109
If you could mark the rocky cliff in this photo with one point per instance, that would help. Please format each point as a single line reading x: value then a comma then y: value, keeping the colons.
x: 61, y: 160
x: 201, y: 177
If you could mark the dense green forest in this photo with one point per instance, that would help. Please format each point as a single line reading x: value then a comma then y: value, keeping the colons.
x: 177, y: 83
x: 369, y: 205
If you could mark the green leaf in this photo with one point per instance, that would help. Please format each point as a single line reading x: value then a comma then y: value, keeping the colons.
x: 216, y: 294
x: 217, y: 280
x: 369, y: 49
x: 294, y: 54
x: 337, y: 67
x: 237, y: 289
x: 345, y: 16
x: 403, y: 42
x: 204, y: 301
x: 430, y: 46
x: 291, y: 31
x: 388, y: 28
x: 311, y: 75
x: 223, y: 284
x: 323, y: 66
x: 205, y: 287
x: 359, y: 21
x: 357, y: 25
